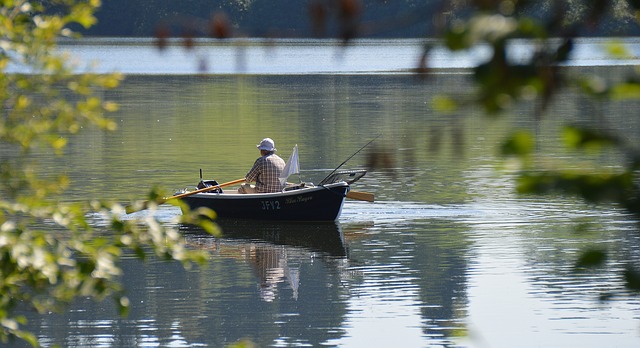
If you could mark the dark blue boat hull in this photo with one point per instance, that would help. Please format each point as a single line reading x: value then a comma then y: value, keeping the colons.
x: 321, y: 203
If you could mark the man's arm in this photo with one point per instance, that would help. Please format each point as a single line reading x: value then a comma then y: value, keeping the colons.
x: 253, y: 173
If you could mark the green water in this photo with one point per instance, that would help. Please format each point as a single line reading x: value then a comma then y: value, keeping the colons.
x: 447, y: 256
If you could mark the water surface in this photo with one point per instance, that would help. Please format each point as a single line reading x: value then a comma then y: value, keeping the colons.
x: 448, y: 255
x: 307, y: 56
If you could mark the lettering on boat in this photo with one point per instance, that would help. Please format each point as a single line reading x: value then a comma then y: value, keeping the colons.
x: 270, y: 205
x: 299, y: 199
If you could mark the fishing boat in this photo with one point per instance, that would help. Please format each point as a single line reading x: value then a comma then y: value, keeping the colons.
x: 297, y: 202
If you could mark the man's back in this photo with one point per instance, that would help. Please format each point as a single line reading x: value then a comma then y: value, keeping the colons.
x: 266, y: 172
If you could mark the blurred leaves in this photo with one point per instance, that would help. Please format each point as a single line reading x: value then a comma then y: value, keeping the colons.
x: 627, y: 90
x: 520, y: 143
x: 604, y: 186
x: 185, y: 26
x: 581, y: 138
x: 220, y: 27
x: 592, y: 258
x: 444, y: 104
x: 243, y: 343
x: 595, y: 188
x: 49, y: 252
x: 632, y: 278
x: 504, y: 81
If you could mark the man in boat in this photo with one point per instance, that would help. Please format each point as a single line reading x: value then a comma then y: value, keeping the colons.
x: 265, y: 171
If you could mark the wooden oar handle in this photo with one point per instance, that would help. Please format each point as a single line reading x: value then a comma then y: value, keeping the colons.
x: 360, y: 196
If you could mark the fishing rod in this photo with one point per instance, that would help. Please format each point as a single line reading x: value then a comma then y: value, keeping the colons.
x: 347, y: 160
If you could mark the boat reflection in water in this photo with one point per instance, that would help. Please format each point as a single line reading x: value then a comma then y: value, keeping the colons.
x: 275, y: 250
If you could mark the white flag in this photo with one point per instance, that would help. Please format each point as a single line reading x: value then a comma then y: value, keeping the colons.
x: 292, y: 166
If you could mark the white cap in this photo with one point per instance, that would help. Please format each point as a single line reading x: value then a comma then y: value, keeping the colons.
x: 267, y: 144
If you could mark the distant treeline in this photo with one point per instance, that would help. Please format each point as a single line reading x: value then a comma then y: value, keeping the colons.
x: 306, y: 18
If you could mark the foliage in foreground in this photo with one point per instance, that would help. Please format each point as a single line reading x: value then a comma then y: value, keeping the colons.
x: 504, y: 81
x: 49, y: 251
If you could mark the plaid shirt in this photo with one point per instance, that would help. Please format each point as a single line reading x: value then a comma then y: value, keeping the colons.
x: 266, y: 172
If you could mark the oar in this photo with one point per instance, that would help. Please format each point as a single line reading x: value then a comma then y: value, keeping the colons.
x: 129, y: 209
x: 360, y: 196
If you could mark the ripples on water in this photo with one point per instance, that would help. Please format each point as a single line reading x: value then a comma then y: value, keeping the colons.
x: 381, y: 272
x: 388, y: 286
x: 447, y: 256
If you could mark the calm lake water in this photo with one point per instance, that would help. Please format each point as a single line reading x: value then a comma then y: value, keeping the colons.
x: 448, y: 255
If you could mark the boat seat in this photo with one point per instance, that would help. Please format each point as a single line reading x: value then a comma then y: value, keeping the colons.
x: 291, y: 187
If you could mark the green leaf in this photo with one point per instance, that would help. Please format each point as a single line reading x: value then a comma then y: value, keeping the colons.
x: 576, y: 137
x: 591, y: 258
x: 626, y: 91
x: 617, y: 49
x: 563, y: 52
x: 444, y: 104
x: 243, y: 343
x: 210, y: 227
x: 632, y: 278
x: 520, y: 143
x: 122, y: 303
x: 140, y: 253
